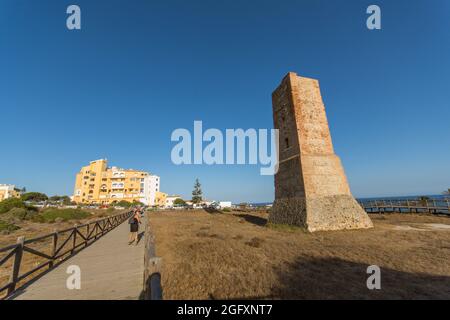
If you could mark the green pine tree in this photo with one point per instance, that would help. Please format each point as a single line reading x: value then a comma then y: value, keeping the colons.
x: 197, y: 192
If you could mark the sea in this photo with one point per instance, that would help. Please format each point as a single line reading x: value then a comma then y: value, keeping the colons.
x: 434, y: 196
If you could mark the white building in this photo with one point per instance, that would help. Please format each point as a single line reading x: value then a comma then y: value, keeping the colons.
x: 225, y: 204
x: 170, y: 200
x: 149, y: 186
x: 8, y: 191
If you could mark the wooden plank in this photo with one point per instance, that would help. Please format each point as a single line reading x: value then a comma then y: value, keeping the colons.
x: 28, y: 273
x: 9, y: 255
x: 12, y: 246
x: 37, y: 253
x: 64, y: 243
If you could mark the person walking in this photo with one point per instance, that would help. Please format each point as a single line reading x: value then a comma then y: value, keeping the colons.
x: 134, y: 222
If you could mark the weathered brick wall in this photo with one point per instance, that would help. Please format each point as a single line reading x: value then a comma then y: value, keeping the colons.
x: 311, y: 189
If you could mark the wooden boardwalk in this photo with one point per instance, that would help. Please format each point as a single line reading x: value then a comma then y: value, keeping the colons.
x: 110, y: 270
x: 440, y: 206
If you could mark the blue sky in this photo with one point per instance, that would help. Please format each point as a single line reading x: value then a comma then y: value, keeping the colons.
x: 140, y: 69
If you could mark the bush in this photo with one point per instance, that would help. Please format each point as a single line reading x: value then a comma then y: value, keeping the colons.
x: 226, y: 210
x: 19, y: 213
x: 123, y: 204
x: 50, y: 215
x: 179, y: 202
x: 34, y: 196
x: 11, y: 203
x: 6, y: 227
x: 65, y: 200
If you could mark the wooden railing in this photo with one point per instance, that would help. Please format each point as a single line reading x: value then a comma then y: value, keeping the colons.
x: 152, y: 267
x: 60, y: 245
x: 436, y: 206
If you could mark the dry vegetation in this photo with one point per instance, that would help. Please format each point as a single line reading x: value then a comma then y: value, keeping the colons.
x: 235, y: 255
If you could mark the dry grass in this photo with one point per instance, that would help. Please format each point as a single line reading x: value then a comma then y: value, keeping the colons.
x: 235, y: 255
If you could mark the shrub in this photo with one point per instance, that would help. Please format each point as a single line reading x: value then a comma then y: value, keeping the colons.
x: 19, y: 213
x: 123, y: 204
x: 61, y: 199
x: 34, y: 196
x: 50, y: 215
x: 11, y: 203
x: 179, y: 202
x: 37, y: 218
x: 226, y: 210
x: 23, y: 214
x: 7, y: 227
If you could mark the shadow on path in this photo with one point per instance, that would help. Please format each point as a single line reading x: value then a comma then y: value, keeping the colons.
x: 139, y: 237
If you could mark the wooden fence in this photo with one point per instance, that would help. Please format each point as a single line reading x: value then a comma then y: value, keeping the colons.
x: 63, y: 244
x: 152, y: 267
x: 435, y: 206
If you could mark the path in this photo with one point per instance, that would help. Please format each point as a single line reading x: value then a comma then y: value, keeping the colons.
x: 110, y: 270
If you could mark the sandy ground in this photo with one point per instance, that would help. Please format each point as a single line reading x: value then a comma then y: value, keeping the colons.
x: 235, y: 255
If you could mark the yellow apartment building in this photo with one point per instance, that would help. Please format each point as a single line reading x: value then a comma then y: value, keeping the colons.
x: 97, y: 183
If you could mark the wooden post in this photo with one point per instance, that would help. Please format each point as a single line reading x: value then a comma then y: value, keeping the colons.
x: 153, y: 275
x: 16, y: 265
x: 88, y: 229
x: 74, y: 243
x: 54, y: 245
x: 95, y: 230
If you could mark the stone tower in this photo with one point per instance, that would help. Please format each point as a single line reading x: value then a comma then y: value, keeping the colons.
x: 311, y: 189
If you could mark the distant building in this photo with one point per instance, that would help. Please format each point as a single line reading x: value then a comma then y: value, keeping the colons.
x: 99, y: 184
x: 170, y: 201
x: 9, y: 191
x: 160, y: 199
x: 225, y: 204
